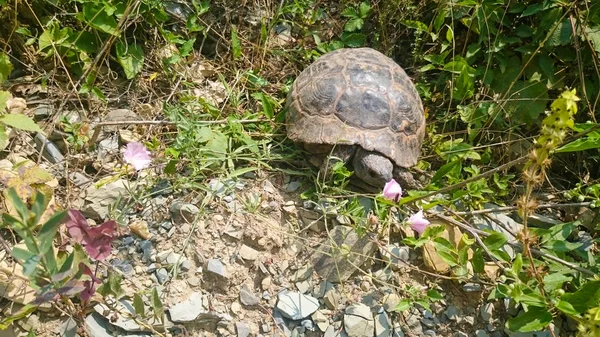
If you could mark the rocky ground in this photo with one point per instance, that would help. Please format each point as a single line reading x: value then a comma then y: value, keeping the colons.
x: 224, y: 266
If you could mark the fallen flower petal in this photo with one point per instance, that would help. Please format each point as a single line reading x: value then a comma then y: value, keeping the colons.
x: 95, y: 240
x: 392, y: 190
x: 137, y: 155
x: 418, y: 222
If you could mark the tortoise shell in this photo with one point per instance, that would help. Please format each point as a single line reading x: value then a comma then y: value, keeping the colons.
x: 357, y: 96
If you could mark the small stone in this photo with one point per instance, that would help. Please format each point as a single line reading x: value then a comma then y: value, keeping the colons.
x: 471, y: 287
x: 428, y: 323
x: 395, y: 254
x: 188, y: 310
x: 332, y: 299
x: 486, y: 311
x: 162, y: 275
x: 460, y: 334
x: 140, y: 228
x: 248, y: 298
x: 481, y: 333
x: 303, y: 273
x: 186, y: 265
x: 182, y: 213
x: 248, y: 254
x: 468, y: 319
x: 320, y: 320
x: 296, y: 306
x: 383, y: 326
x: 193, y: 281
x: 293, y: 186
x: 429, y: 333
x: 322, y: 288
x: 303, y: 287
x: 242, y: 329
x: 452, y: 313
x: 390, y: 302
x: 265, y: 328
x: 266, y: 283
x: 398, y: 332
x: 215, y: 266
x: 236, y: 308
x: 358, y: 321
x: 151, y: 268
x: 185, y: 228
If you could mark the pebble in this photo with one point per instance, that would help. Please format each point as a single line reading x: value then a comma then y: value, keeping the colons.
x: 193, y: 281
x: 383, y: 325
x: 460, y: 334
x: 248, y: 253
x: 293, y: 186
x: 303, y: 287
x: 215, y: 267
x: 332, y: 299
x: 486, y: 311
x: 188, y: 310
x: 296, y: 306
x: 452, y: 313
x: 358, y: 321
x: 151, y: 268
x: 468, y: 319
x: 471, y: 287
x: 429, y: 333
x: 303, y: 273
x: 390, y: 302
x: 248, y: 298
x: 242, y: 329
x: 186, y: 265
x: 322, y: 288
x: 182, y: 213
x: 166, y: 225
x: 320, y: 320
x: 162, y: 275
x: 481, y: 333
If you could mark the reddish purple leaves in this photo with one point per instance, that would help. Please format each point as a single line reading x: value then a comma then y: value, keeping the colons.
x: 95, y: 240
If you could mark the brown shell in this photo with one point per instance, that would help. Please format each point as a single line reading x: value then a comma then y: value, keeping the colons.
x: 357, y: 96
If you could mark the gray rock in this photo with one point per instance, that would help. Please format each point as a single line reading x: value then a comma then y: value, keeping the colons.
x: 358, y: 321
x: 243, y: 329
x: 390, y: 302
x: 332, y: 299
x: 452, y: 313
x: 166, y: 225
x: 336, y: 264
x: 281, y: 323
x: 544, y: 221
x: 214, y: 266
x: 182, y: 212
x: 460, y: 334
x: 188, y: 310
x: 42, y: 111
x: 98, y: 326
x: 428, y: 323
x: 395, y: 255
x: 248, y: 298
x: 320, y: 320
x: 162, y: 275
x: 490, y: 222
x: 397, y: 332
x: 382, y: 325
x: 98, y: 200
x: 471, y: 287
x: 429, y: 333
x: 303, y: 273
x: 414, y: 324
x: 186, y: 265
x: 193, y: 281
x: 322, y: 288
x: 68, y: 328
x: 248, y: 253
x: 107, y: 146
x: 119, y: 115
x: 303, y: 287
x: 147, y: 250
x: 468, y: 320
x: 486, y: 311
x: 481, y: 333
x: 293, y: 186
x: 308, y: 324
x: 296, y: 306
x: 169, y: 258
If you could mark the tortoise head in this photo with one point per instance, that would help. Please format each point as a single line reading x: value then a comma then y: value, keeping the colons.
x: 373, y: 168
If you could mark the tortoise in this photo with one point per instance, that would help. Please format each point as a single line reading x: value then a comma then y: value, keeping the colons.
x: 360, y: 106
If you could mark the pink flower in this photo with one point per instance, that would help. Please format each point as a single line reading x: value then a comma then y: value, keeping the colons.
x: 418, y: 222
x: 392, y: 190
x: 137, y: 155
x: 95, y: 240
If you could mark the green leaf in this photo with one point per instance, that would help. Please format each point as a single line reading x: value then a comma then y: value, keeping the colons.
x: 96, y: 16
x: 6, y: 68
x: 418, y: 25
x: 464, y: 87
x: 517, y: 265
x: 6, y: 322
x: 236, y: 46
x: 4, y: 97
x: 266, y: 105
x: 562, y: 34
x: 20, y: 121
x: 581, y: 144
x: 495, y: 240
x: 364, y: 9
x: 157, y: 305
x: 567, y: 308
x: 3, y: 138
x: 350, y: 12
x: 403, y: 305
x: 18, y: 204
x: 353, y: 25
x: 130, y: 57
x: 354, y: 40
x: 138, y: 305
x: 48, y: 231
x: 29, y: 260
x: 478, y: 262
x: 588, y: 296
x: 593, y: 35
x: 434, y: 295
x: 533, y: 9
x: 444, y: 170
x: 534, y: 319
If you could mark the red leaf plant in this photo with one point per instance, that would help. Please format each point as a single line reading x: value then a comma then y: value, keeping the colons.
x: 90, y: 285
x: 95, y: 240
